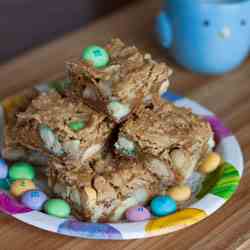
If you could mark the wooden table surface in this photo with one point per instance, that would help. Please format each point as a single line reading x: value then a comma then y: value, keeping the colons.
x: 228, y: 96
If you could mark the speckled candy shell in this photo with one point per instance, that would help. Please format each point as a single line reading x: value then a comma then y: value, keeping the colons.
x: 217, y: 188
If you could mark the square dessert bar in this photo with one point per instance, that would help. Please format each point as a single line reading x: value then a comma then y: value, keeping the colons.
x: 103, y: 189
x: 11, y: 150
x: 166, y: 137
x: 128, y: 79
x: 58, y: 127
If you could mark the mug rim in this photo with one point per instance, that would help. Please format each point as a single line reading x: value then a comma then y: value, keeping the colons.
x: 224, y: 2
x: 215, y: 2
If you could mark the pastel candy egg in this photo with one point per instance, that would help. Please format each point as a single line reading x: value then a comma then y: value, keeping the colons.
x: 34, y: 199
x: 137, y: 213
x: 4, y: 184
x: 162, y: 205
x: 19, y: 187
x: 21, y: 170
x: 57, y: 207
x: 96, y: 55
x: 180, y: 193
x: 211, y: 162
x: 76, y: 125
x: 3, y: 169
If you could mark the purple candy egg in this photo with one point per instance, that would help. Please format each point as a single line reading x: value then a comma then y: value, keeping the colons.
x: 138, y: 213
x: 34, y: 199
x: 3, y: 169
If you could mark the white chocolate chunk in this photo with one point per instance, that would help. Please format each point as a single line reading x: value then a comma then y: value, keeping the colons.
x: 106, y: 88
x: 159, y: 168
x: 211, y: 143
x: 163, y: 88
x: 72, y: 147
x: 125, y: 146
x: 50, y: 140
x: 118, y: 110
x: 90, y: 151
x: 89, y: 93
x: 91, y: 196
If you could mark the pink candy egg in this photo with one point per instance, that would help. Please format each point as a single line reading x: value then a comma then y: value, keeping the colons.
x: 137, y: 213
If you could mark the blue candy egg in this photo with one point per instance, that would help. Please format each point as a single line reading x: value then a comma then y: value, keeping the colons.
x: 3, y: 169
x: 34, y: 199
x: 162, y: 205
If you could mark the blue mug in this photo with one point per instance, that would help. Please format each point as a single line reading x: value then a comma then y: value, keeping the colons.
x: 206, y: 36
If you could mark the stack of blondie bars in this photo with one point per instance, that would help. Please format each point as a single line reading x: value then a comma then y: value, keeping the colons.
x: 110, y: 140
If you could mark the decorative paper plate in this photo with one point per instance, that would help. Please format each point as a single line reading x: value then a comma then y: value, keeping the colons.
x: 209, y: 195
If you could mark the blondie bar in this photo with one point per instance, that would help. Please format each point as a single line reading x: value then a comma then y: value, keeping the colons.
x: 104, y: 188
x: 61, y: 128
x: 166, y: 137
x: 129, y: 79
x: 11, y: 150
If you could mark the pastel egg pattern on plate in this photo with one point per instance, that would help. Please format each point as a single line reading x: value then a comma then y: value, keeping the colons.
x: 210, y: 181
x: 228, y: 182
x: 89, y: 230
x: 223, y: 182
x: 180, y: 219
x: 169, y: 223
x: 9, y: 205
x: 218, y: 127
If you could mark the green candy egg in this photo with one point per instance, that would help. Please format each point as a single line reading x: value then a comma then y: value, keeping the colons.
x: 57, y: 207
x: 76, y: 125
x: 21, y: 170
x: 96, y: 55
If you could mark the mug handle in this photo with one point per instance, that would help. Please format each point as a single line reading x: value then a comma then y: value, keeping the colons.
x: 163, y: 29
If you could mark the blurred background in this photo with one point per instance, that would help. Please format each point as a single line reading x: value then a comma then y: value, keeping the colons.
x: 26, y: 23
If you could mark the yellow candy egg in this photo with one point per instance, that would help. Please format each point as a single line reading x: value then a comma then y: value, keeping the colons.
x: 212, y: 161
x: 180, y: 193
x: 18, y: 187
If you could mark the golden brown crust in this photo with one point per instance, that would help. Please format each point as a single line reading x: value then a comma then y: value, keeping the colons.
x: 56, y: 113
x: 160, y: 128
x: 12, y: 150
x: 129, y: 78
x: 105, y: 186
